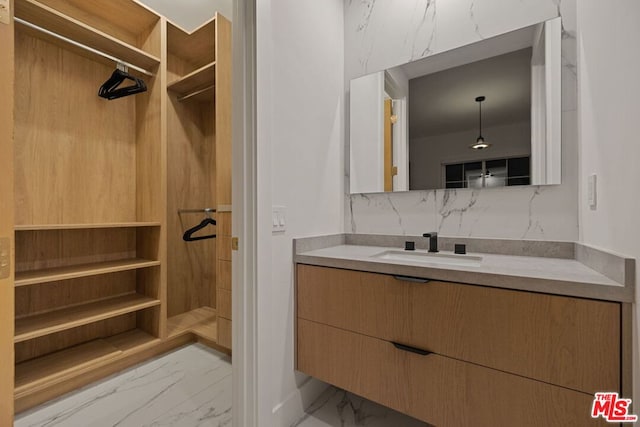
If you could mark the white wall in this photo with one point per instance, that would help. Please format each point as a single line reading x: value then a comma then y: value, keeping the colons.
x: 192, y: 13
x: 300, y: 90
x: 427, y: 155
x: 383, y: 34
x: 610, y: 133
x: 367, y: 133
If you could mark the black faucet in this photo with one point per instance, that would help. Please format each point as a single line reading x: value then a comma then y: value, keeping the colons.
x: 433, y: 241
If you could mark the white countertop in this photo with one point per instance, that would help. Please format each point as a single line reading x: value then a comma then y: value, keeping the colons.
x: 548, y: 275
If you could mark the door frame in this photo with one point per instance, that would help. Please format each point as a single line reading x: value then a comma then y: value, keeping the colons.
x: 244, y: 216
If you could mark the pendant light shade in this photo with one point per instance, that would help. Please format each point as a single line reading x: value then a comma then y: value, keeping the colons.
x: 480, y: 142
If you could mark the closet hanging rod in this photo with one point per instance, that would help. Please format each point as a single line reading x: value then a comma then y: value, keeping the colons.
x: 82, y: 46
x: 205, y: 210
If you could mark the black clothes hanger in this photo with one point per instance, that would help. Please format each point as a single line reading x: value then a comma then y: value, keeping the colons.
x: 110, y: 90
x: 188, y: 235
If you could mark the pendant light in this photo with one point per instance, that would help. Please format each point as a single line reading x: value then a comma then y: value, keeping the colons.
x: 480, y: 143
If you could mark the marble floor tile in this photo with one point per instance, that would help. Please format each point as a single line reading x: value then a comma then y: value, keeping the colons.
x: 188, y: 387
x: 337, y: 408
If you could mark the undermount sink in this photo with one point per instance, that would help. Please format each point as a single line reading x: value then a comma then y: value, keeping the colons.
x: 430, y: 258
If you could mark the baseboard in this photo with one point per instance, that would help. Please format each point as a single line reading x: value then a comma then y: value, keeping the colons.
x: 291, y: 409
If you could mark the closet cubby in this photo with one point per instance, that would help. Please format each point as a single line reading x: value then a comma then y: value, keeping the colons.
x: 191, y: 177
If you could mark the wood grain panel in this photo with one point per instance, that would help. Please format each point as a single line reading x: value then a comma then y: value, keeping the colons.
x: 64, y: 145
x: 37, y: 347
x: 123, y: 19
x: 566, y: 341
x: 151, y: 185
x: 150, y: 133
x: 185, y: 322
x: 191, y: 177
x: 224, y: 332
x: 224, y: 248
x: 195, y: 48
x: 38, y: 250
x: 7, y: 217
x: 201, y: 78
x: 136, y: 347
x: 77, y: 365
x: 39, y: 325
x: 434, y: 388
x: 224, y: 304
x: 224, y: 223
x: 42, y: 370
x: 223, y: 110
x: 224, y: 275
x: 54, y: 295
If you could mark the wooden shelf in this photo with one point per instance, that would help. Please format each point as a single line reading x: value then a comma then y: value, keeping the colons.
x: 201, y: 78
x: 59, y: 320
x: 26, y: 278
x: 44, y: 227
x: 59, y: 366
x: 57, y: 22
x: 200, y: 319
x: 196, y: 47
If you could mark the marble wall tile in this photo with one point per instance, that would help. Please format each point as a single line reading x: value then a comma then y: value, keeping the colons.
x: 393, y: 213
x: 380, y: 34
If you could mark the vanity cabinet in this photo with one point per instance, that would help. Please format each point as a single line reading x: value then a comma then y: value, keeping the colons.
x: 454, y: 354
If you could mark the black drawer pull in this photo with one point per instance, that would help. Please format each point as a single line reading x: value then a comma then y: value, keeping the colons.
x: 411, y: 279
x: 411, y: 349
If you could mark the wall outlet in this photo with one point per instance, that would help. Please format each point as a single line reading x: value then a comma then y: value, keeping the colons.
x: 278, y: 219
x: 592, y: 191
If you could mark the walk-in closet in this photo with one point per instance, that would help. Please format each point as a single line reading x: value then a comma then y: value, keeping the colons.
x: 122, y: 189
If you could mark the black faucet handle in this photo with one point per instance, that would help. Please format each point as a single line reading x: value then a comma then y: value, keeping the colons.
x: 433, y: 241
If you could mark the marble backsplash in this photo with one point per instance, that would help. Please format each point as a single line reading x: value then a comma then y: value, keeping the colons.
x: 382, y: 33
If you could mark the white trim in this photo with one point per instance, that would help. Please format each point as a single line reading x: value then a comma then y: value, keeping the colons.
x: 244, y: 216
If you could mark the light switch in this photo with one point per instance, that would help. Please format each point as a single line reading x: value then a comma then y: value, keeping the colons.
x: 592, y: 190
x: 279, y: 219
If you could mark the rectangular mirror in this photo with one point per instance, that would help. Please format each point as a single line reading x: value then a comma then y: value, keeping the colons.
x: 484, y: 115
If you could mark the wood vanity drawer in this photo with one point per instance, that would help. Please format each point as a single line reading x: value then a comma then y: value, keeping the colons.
x: 571, y: 342
x: 433, y: 388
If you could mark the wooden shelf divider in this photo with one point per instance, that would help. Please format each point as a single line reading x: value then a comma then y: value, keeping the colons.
x: 46, y: 227
x: 59, y: 320
x: 187, y: 322
x: 71, y: 362
x: 50, y: 19
x: 26, y: 278
x: 203, y: 77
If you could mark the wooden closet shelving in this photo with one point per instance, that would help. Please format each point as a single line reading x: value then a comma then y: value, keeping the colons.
x: 42, y: 227
x: 101, y: 276
x: 70, y: 317
x: 33, y: 277
x: 46, y: 17
x: 201, y: 321
x: 61, y: 365
x: 201, y: 79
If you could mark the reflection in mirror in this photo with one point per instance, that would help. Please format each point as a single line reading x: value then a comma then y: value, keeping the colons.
x: 483, y: 115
